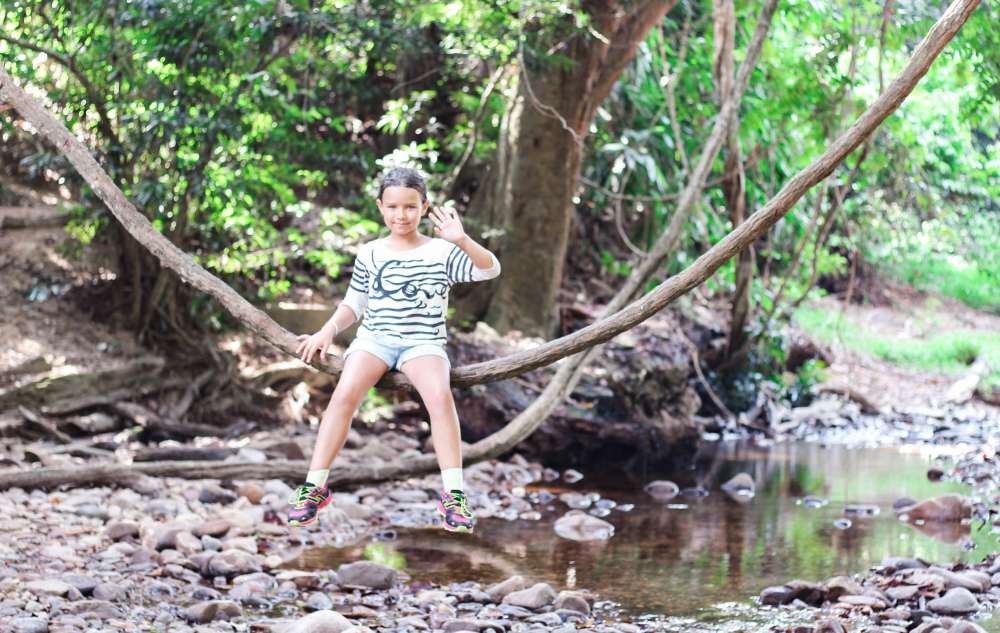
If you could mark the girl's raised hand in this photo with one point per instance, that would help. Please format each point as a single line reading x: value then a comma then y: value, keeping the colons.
x: 447, y: 225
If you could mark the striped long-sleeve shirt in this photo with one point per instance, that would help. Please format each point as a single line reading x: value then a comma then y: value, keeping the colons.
x: 402, y: 296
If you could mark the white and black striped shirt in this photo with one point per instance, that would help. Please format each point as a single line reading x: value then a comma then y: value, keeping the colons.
x: 402, y: 296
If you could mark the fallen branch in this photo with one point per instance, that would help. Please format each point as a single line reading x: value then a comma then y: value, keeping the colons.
x: 49, y: 427
x: 183, y: 453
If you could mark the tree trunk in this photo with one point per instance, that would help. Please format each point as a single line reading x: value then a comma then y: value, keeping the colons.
x: 733, y: 182
x: 529, y: 192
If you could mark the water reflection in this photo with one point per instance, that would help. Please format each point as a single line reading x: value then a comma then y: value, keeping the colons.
x: 682, y: 561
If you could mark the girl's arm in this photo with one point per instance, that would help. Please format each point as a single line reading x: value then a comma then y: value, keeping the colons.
x: 481, y: 257
x: 468, y: 260
x: 341, y: 319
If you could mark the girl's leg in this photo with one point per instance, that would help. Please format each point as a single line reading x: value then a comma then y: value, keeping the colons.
x: 430, y: 376
x: 361, y: 371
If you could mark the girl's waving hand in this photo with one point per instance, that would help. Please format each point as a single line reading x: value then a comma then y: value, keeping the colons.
x: 447, y: 224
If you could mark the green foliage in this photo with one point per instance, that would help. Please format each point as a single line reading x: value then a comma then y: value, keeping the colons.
x: 946, y: 352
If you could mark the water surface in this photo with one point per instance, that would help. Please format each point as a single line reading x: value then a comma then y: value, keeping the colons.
x: 686, y: 558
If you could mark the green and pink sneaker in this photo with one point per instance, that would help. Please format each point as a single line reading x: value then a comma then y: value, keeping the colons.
x: 454, y: 510
x: 306, y: 501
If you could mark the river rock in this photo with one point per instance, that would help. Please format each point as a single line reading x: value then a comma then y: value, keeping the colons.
x: 214, y: 493
x: 215, y: 527
x: 232, y: 562
x: 319, y: 622
x: 956, y: 600
x: 367, y: 574
x: 971, y: 580
x: 500, y: 590
x: 829, y: 626
x: 48, y: 587
x: 810, y: 593
x: 414, y: 621
x: 572, y: 601
x: 742, y: 485
x: 319, y: 601
x: 121, y: 529
x: 535, y: 597
x: 965, y: 626
x: 902, y: 503
x: 454, y: 626
x: 187, y: 543
x: 944, y: 508
x: 83, y: 583
x: 775, y: 596
x: 863, y: 601
x: 301, y: 579
x: 662, y: 490
x: 895, y: 563
x: 404, y: 495
x: 580, y: 526
x: 902, y: 593
x: 109, y: 591
x: 205, y: 612
x: 29, y: 625
x: 839, y: 586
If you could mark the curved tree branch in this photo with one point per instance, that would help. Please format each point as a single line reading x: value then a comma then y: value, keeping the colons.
x: 546, y: 354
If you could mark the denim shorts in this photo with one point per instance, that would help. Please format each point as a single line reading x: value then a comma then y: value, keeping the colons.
x: 395, y: 355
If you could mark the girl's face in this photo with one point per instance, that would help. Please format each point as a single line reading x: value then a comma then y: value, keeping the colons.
x: 401, y: 209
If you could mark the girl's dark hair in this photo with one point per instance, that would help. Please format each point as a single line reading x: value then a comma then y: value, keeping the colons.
x: 404, y: 177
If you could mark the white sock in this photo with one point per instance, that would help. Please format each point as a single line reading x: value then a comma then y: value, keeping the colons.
x: 318, y: 477
x: 452, y: 479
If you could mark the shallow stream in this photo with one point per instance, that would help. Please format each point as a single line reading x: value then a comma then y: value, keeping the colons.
x: 696, y: 556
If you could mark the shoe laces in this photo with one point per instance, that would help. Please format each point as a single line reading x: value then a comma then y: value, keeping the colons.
x: 455, y: 500
x: 307, y: 493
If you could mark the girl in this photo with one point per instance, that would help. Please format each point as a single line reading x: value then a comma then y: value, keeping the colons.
x: 400, y: 286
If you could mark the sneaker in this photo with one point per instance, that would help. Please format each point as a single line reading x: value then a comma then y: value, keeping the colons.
x: 454, y: 509
x: 306, y: 501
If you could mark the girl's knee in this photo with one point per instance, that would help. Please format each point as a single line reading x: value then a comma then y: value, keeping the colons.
x: 439, y: 402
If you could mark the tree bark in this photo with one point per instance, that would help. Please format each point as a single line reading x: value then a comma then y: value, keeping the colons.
x: 733, y: 183
x: 529, y: 192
